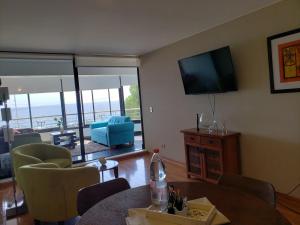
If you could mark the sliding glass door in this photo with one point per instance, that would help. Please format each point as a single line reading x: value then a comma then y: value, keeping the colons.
x: 108, y: 92
x: 44, y: 101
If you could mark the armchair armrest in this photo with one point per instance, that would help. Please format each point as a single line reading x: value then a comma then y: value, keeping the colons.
x: 19, y: 160
x: 98, y: 124
x: 122, y: 127
x: 44, y: 165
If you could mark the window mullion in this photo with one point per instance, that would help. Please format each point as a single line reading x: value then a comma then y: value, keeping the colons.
x: 94, y: 115
x: 82, y: 108
x: 30, y: 113
x: 109, y: 101
x: 121, y: 100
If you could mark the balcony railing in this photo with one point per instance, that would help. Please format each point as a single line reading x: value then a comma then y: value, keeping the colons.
x: 48, y: 122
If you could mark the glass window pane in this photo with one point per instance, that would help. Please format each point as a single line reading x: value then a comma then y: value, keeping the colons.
x: 45, y: 107
x: 19, y: 111
x: 115, y: 101
x: 72, y: 124
x: 132, y: 101
x: 71, y: 109
x: 88, y: 106
x: 101, y: 101
x: 44, y: 82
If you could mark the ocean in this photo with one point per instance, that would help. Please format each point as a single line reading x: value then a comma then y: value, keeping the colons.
x: 43, y: 116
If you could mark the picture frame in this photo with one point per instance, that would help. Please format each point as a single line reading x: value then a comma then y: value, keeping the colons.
x: 284, y: 61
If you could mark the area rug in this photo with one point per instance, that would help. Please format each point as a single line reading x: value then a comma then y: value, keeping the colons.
x: 90, y: 147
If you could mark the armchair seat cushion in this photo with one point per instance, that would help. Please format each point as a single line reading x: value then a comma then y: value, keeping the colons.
x: 61, y: 163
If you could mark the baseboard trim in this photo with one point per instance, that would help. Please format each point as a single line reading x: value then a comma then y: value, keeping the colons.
x: 171, y: 161
x: 129, y: 155
x: 6, y: 181
x: 117, y: 157
x: 174, y: 162
x: 290, y: 202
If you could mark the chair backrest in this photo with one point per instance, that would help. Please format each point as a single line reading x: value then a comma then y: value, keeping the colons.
x: 119, y: 119
x: 89, y: 196
x: 26, y: 138
x: 261, y: 189
x: 51, y: 192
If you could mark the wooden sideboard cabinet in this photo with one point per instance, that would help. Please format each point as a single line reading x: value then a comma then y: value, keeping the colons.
x: 208, y: 156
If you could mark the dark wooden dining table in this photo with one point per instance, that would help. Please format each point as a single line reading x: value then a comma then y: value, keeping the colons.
x: 239, y: 207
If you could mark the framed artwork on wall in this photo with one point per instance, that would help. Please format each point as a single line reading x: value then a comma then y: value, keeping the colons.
x: 284, y: 61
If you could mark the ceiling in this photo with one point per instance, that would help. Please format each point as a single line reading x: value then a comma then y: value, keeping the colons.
x: 114, y: 27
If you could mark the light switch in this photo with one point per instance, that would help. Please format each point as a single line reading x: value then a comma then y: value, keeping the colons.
x: 151, y: 109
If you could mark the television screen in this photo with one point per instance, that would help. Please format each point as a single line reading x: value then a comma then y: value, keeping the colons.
x: 210, y: 72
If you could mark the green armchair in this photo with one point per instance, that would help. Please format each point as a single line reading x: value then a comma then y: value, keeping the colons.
x: 39, y: 153
x: 51, y: 192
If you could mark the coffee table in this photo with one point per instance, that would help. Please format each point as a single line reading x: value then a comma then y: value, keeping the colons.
x: 65, y: 139
x: 110, y: 165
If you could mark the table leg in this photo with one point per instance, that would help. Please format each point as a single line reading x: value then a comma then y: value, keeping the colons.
x: 116, y: 172
x: 102, y: 173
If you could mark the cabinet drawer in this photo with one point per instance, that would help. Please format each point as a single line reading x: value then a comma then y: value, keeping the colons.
x: 191, y: 139
x: 211, y: 142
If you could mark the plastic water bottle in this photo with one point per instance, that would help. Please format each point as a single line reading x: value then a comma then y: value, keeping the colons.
x: 158, y: 183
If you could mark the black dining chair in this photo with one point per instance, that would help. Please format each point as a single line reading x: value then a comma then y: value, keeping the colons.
x: 261, y: 189
x: 89, y: 196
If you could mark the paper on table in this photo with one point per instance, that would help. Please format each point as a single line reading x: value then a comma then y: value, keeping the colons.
x: 219, y: 218
x: 138, y: 216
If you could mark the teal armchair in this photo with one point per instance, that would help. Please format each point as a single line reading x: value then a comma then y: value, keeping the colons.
x: 117, y: 130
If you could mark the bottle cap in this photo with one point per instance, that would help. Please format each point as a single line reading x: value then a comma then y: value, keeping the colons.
x: 156, y: 150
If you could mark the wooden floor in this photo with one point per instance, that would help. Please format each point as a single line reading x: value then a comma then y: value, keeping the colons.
x: 136, y: 171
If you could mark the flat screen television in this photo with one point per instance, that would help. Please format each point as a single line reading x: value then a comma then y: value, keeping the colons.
x: 209, y: 72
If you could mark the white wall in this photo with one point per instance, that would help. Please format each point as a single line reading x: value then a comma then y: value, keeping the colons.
x: 269, y: 124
